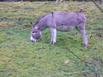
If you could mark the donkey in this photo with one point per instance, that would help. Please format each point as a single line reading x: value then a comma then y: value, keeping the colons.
x: 62, y: 21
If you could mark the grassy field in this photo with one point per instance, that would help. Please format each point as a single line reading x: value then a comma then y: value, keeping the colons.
x: 19, y: 57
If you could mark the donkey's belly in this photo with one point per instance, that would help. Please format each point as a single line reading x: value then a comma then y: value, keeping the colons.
x: 65, y: 28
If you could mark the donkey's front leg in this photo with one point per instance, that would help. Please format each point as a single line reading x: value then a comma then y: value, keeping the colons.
x: 53, y: 35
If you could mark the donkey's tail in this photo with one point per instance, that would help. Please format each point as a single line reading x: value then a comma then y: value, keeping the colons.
x: 52, y: 14
x: 81, y: 10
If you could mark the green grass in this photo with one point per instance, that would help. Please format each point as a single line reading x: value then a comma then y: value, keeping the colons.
x: 19, y: 57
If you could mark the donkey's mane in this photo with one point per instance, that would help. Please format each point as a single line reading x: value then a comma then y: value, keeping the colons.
x: 38, y: 19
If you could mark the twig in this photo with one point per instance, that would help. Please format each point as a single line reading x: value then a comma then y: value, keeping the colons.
x: 97, y: 6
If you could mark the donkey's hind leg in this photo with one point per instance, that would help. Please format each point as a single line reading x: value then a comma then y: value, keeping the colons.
x: 83, y: 34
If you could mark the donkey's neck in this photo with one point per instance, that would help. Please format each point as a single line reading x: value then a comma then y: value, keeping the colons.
x: 41, y: 26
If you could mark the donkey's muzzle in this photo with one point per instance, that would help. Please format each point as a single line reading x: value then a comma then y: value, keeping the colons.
x: 32, y: 39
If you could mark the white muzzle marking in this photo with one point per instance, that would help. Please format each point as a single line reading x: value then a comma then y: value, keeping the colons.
x: 32, y: 39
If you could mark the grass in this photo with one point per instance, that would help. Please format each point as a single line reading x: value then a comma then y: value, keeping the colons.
x: 19, y: 57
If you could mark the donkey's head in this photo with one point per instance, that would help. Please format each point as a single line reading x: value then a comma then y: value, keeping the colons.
x: 35, y: 34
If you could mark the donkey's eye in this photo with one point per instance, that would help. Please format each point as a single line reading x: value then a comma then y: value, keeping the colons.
x: 33, y: 32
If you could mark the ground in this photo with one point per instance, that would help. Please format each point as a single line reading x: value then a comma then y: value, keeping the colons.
x: 19, y: 57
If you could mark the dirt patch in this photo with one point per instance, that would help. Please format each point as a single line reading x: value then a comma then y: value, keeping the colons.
x: 6, y: 24
x: 98, y: 33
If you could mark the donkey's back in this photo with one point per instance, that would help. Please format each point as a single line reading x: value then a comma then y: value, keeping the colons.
x: 72, y: 18
x: 65, y: 20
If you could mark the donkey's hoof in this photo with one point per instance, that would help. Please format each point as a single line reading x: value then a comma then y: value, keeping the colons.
x: 85, y: 46
x: 52, y: 42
